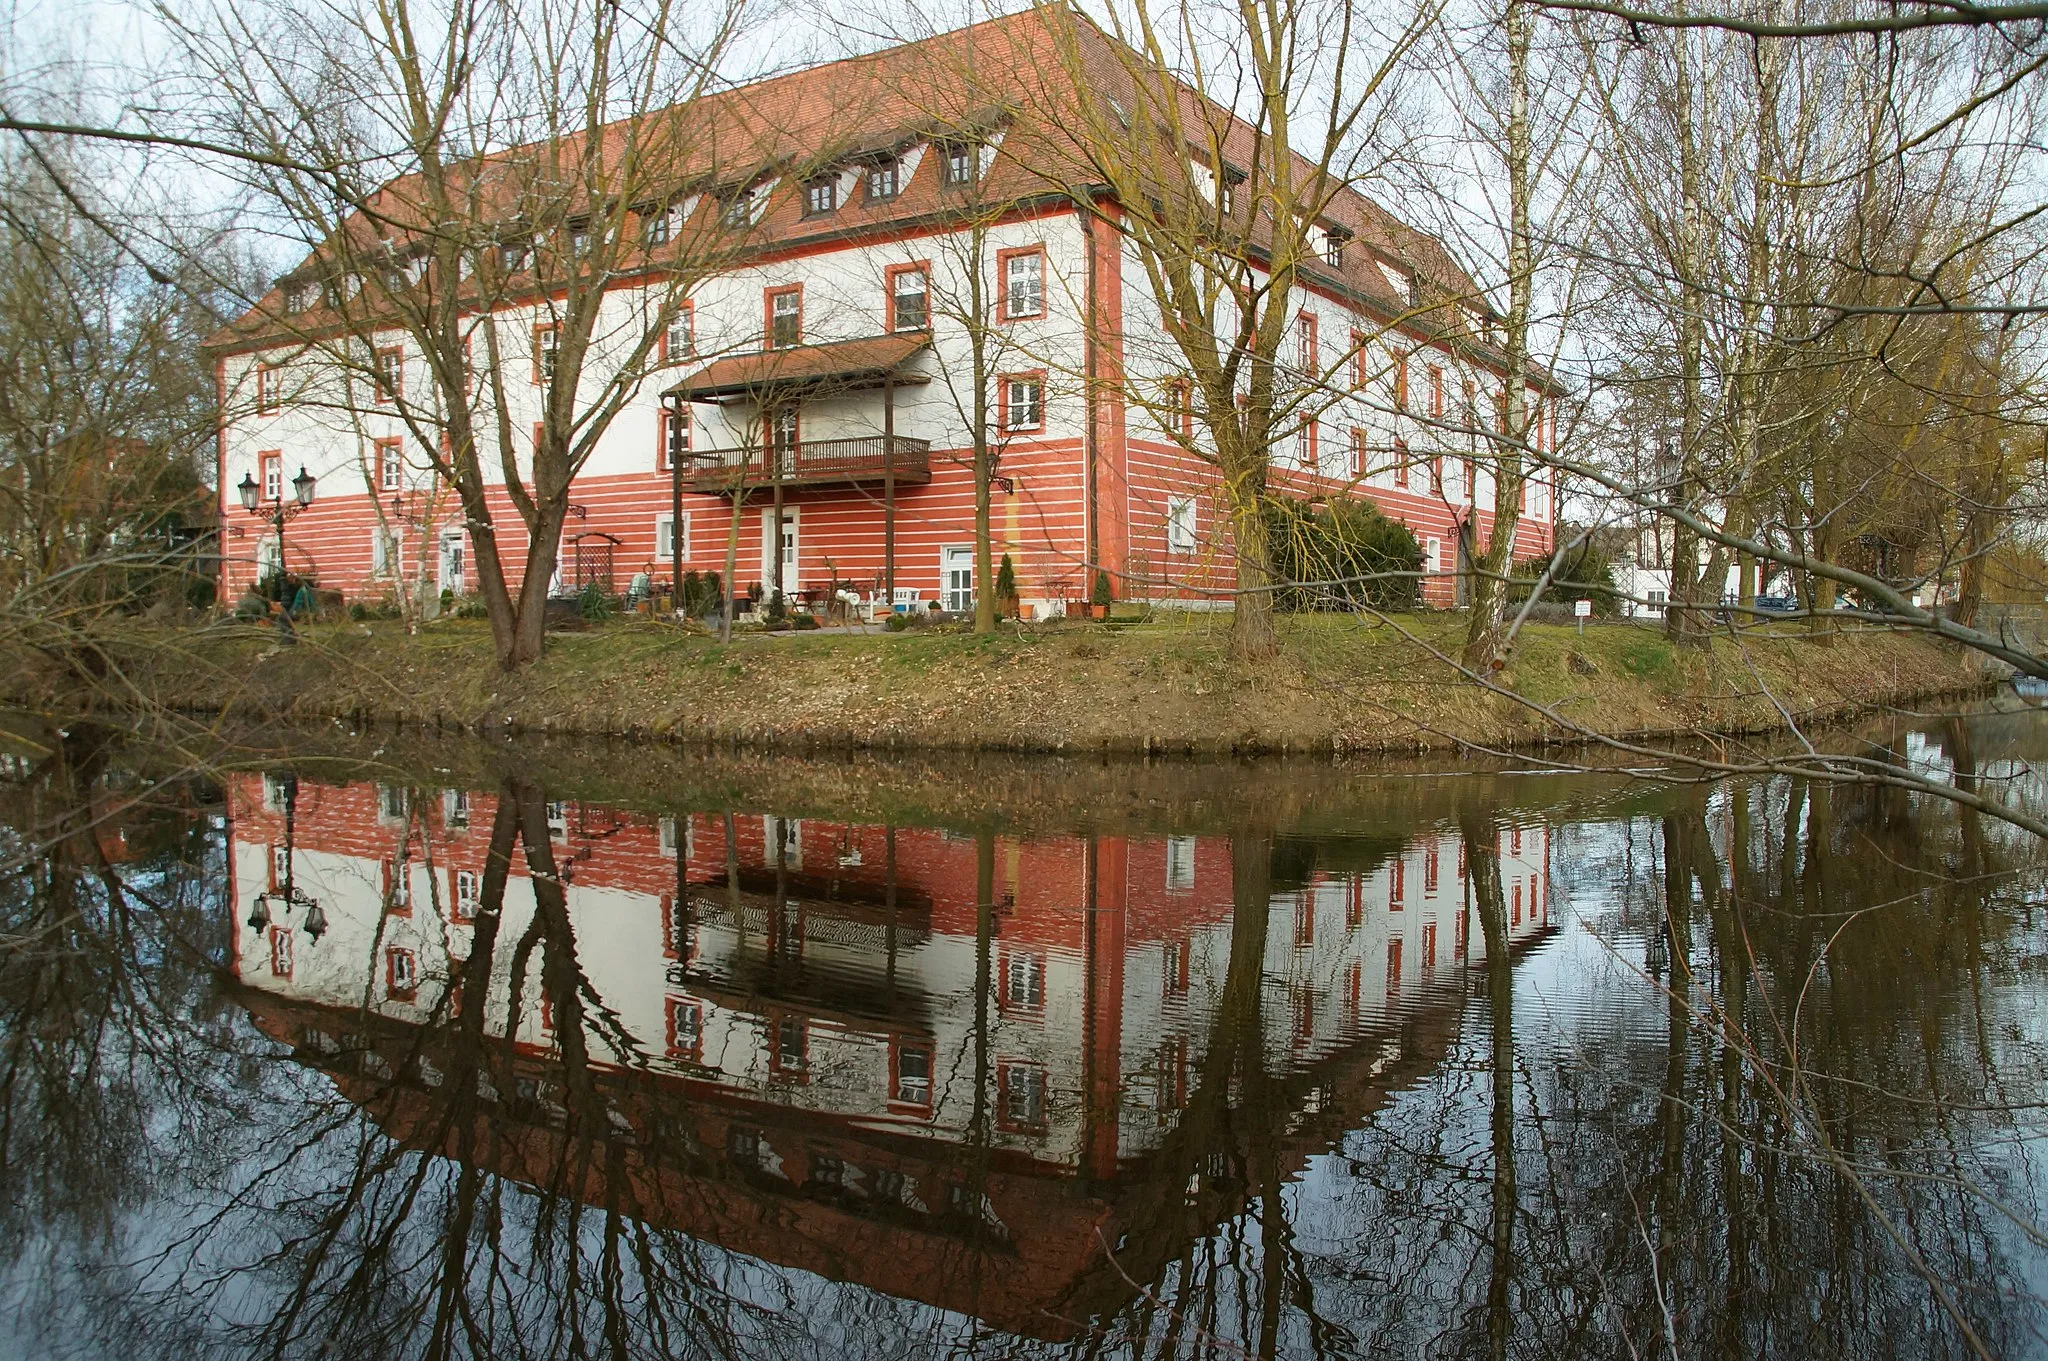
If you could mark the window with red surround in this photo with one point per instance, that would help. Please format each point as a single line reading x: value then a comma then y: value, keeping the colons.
x: 782, y: 317
x: 401, y: 974
x: 1361, y: 368
x: 1021, y: 401
x: 546, y: 344
x: 1360, y: 455
x: 271, y: 461
x: 390, y: 464
x: 1401, y: 464
x: 1400, y: 382
x: 1306, y: 356
x: 280, y: 952
x: 1436, y: 392
x: 1020, y: 283
x: 390, y: 374
x: 907, y: 297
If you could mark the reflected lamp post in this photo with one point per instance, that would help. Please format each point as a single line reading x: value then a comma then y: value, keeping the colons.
x: 287, y: 895
x: 277, y: 513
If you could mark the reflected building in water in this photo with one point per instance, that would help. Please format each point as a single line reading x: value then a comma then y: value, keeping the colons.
x: 951, y: 1067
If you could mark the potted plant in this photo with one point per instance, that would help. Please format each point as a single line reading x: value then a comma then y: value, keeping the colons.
x: 1099, y: 602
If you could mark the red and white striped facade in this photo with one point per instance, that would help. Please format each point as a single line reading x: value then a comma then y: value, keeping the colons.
x: 1096, y: 482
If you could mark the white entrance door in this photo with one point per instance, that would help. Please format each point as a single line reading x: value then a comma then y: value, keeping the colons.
x: 451, y: 561
x: 789, y: 549
x: 957, y: 580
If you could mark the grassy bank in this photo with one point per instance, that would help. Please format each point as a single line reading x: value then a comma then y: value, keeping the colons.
x: 1339, y: 685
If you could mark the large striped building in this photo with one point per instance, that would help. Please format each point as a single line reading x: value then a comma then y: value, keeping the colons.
x: 887, y: 204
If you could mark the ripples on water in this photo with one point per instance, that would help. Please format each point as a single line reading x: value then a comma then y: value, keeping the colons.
x: 361, y: 1057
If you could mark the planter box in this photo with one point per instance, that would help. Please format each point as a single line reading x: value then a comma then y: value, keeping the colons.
x: 1081, y: 609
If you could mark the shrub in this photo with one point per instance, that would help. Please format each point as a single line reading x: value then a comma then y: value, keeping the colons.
x: 358, y: 611
x: 778, y: 609
x: 803, y: 621
x: 593, y: 604
x: 1006, y: 584
x: 1353, y: 553
x: 1585, y: 574
x: 896, y: 623
x: 1103, y: 594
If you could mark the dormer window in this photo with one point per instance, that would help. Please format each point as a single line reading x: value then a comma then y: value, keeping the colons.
x: 739, y: 209
x: 885, y: 179
x: 580, y: 238
x: 656, y: 228
x: 512, y: 255
x: 958, y: 162
x: 1334, y: 240
x: 821, y: 196
x: 298, y: 297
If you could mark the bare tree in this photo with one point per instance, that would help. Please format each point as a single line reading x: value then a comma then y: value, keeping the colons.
x: 522, y: 196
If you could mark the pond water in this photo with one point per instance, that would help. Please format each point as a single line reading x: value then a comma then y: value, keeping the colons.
x: 360, y: 1048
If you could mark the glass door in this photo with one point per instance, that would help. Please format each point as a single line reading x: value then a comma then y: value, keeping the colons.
x: 958, y: 580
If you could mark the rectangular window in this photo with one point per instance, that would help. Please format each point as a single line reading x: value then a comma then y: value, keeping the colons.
x: 665, y: 538
x: 884, y: 180
x: 1400, y: 382
x: 280, y: 952
x: 676, y: 431
x: 268, y: 378
x: 1023, y: 402
x: 739, y: 209
x: 1436, y: 392
x: 1360, y: 455
x: 1305, y: 356
x: 1401, y: 464
x: 401, y: 974
x: 273, y: 475
x: 1397, y: 883
x: 1361, y: 366
x: 1180, y: 863
x: 656, y: 227
x: 1428, y: 947
x: 512, y: 256
x: 685, y: 1028
x: 958, y: 162
x: 1334, y: 241
x: 383, y: 551
x: 821, y: 195
x: 1180, y: 524
x: 390, y: 373
x: 783, y: 431
x: 1305, y: 440
x: 398, y: 885
x: 679, y: 341
x: 785, y: 320
x: 546, y: 342
x: 1429, y: 871
x: 1023, y: 1095
x: 791, y: 1057
x: 1024, y: 981
x: 1021, y: 282
x: 1471, y: 476
x: 913, y: 1084
x: 390, y: 459
x: 1180, y: 406
x: 580, y: 239
x: 910, y: 307
x: 1393, y: 966
x: 466, y: 895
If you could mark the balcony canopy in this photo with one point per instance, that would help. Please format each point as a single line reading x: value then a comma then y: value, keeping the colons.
x: 800, y: 370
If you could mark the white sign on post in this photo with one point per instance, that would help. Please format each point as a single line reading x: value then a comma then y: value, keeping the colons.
x: 1582, y: 609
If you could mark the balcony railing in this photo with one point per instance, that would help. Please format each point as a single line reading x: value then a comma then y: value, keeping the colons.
x: 813, y: 463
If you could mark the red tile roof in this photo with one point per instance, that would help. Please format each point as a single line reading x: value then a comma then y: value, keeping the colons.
x: 852, y: 363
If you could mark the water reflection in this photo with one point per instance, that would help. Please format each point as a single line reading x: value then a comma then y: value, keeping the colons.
x: 302, y: 1064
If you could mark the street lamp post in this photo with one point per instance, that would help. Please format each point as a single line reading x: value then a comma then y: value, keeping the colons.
x: 277, y: 513
x: 287, y: 894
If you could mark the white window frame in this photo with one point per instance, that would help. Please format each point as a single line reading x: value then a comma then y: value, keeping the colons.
x: 1012, y: 407
x: 1180, y: 524
x: 386, y: 545
x: 1180, y: 863
x: 923, y: 294
x: 664, y: 546
x: 1024, y: 279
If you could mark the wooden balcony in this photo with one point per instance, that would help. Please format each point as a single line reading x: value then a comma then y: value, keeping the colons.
x: 813, y: 463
